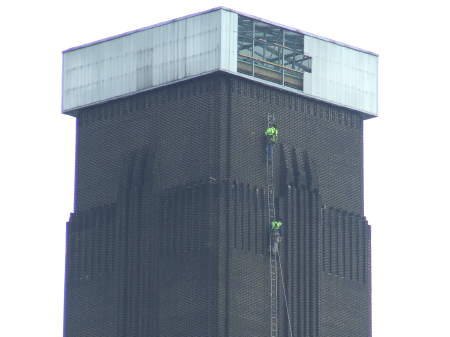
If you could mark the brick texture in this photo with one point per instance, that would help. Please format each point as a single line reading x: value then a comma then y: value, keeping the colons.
x: 169, y: 234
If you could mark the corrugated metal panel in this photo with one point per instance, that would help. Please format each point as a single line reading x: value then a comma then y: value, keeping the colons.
x: 199, y: 44
x: 142, y: 60
x: 342, y: 75
x: 229, y: 38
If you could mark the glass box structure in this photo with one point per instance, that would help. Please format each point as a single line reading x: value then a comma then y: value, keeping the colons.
x: 271, y: 53
x: 220, y: 39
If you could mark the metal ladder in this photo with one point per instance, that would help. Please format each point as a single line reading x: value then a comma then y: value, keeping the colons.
x: 273, y: 257
x: 273, y: 295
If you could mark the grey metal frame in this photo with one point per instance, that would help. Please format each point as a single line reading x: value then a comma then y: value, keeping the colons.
x: 279, y: 63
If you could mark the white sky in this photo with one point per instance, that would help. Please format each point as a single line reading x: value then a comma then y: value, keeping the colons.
x: 406, y: 165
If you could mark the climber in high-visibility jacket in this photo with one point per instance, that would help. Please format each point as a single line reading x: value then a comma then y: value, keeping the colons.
x: 276, y: 235
x: 271, y: 138
x: 276, y: 225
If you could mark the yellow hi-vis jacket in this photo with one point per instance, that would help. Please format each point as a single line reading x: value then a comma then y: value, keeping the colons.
x: 276, y: 224
x: 272, y: 134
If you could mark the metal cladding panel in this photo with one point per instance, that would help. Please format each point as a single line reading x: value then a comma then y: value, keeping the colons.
x: 142, y: 60
x: 342, y: 75
x: 229, y: 41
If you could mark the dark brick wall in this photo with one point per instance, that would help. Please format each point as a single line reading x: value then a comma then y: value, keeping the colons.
x: 90, y: 274
x: 345, y: 276
x: 331, y: 136
x: 149, y: 156
x: 344, y: 307
x: 169, y: 233
x: 179, y: 121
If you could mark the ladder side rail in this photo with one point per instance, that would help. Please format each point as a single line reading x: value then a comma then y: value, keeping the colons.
x: 273, y: 258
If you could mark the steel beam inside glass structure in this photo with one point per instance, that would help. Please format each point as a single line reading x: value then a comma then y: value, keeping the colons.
x: 170, y: 233
x: 271, y: 53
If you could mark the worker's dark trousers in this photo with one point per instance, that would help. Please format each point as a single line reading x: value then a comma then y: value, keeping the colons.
x: 269, y: 150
